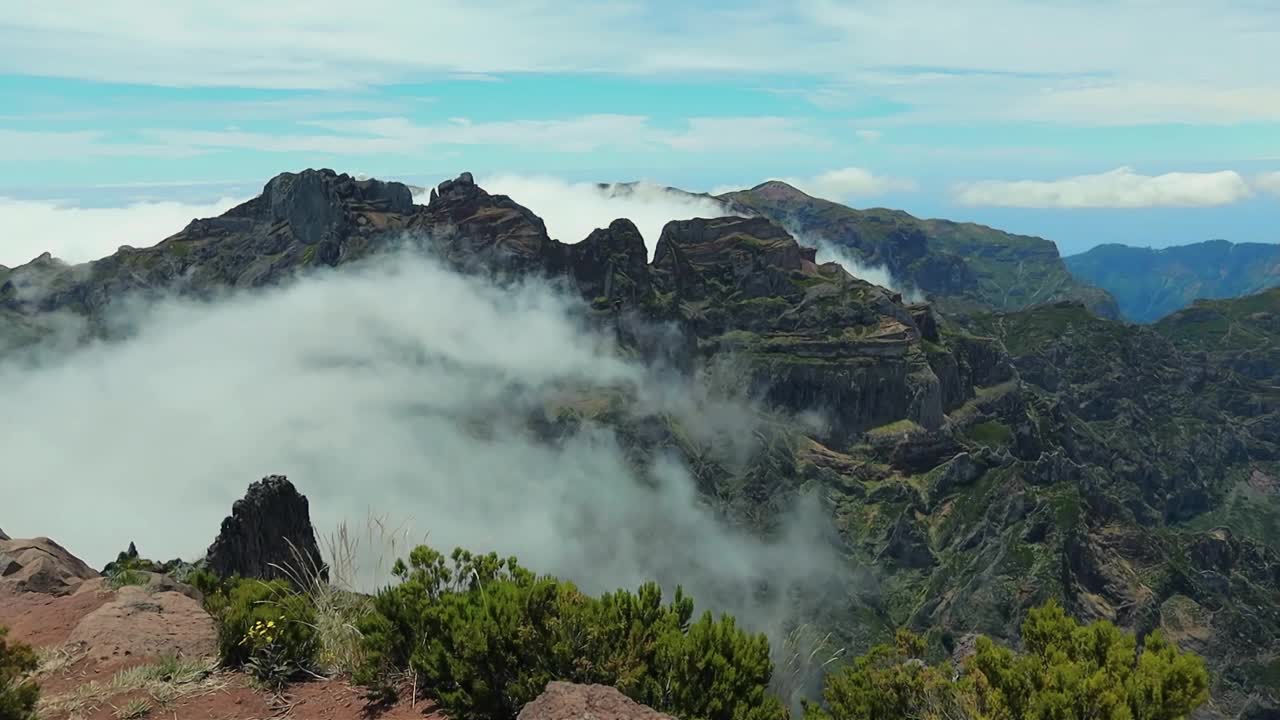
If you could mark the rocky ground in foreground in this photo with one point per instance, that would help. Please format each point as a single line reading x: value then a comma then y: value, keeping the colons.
x: 148, y: 649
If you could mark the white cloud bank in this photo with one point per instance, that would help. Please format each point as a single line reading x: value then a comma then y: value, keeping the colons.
x: 1119, y: 188
x: 396, y: 387
x: 572, y: 210
x: 76, y: 234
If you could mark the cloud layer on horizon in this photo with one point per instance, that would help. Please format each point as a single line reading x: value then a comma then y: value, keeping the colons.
x: 1119, y: 188
x: 80, y: 234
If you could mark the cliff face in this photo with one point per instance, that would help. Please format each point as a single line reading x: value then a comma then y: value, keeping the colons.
x: 976, y: 467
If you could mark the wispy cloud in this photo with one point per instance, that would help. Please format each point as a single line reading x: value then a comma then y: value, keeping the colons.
x: 1269, y: 182
x: 587, y: 133
x: 1119, y: 188
x: 1102, y: 63
x: 28, y: 145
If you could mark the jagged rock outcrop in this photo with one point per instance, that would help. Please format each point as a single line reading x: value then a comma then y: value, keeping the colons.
x: 568, y: 701
x: 475, y: 230
x: 268, y: 535
x: 610, y: 268
x: 40, y: 565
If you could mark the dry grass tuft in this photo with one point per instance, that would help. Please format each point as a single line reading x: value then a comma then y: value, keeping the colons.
x: 805, y: 659
x: 133, y: 709
x: 56, y: 659
x: 165, y: 681
x: 340, y: 601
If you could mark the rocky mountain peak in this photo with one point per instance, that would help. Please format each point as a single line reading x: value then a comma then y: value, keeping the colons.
x: 473, y: 224
x: 269, y: 529
x: 778, y: 190
x: 459, y: 190
x: 750, y: 253
x: 315, y: 203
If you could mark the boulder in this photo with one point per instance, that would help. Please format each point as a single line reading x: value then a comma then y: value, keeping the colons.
x: 268, y: 535
x: 139, y: 623
x: 567, y: 701
x: 40, y: 565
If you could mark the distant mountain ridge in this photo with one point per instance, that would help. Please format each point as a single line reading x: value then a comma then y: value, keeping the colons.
x: 961, y: 267
x: 1151, y: 283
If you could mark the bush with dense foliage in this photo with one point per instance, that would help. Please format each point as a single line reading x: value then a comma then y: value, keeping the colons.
x: 266, y: 628
x: 484, y: 636
x: 18, y: 693
x: 1067, y: 671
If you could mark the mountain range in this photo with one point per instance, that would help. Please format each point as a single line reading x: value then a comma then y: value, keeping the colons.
x: 1150, y: 283
x: 1006, y: 442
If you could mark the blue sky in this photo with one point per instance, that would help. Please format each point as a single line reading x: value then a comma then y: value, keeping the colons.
x: 1152, y: 123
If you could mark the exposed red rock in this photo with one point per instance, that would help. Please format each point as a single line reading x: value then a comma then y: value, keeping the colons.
x: 138, y: 623
x: 40, y: 565
x: 567, y: 701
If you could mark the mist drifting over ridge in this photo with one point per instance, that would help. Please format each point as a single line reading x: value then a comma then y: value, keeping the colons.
x: 400, y: 387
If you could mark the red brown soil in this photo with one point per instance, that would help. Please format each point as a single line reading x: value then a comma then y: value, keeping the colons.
x: 332, y: 699
x: 43, y: 620
x: 329, y: 699
x: 100, y: 632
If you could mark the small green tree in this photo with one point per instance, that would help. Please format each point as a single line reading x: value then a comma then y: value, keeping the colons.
x: 1067, y: 671
x: 1071, y: 671
x: 893, y: 681
x: 18, y: 693
x: 484, y: 636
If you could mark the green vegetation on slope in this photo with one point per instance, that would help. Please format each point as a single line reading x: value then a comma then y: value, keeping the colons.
x: 1065, y: 672
x: 483, y: 636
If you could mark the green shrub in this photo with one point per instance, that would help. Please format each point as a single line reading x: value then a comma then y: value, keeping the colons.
x: 1096, y: 670
x: 484, y: 636
x: 213, y: 587
x: 892, y: 681
x: 1067, y: 672
x: 264, y: 627
x: 18, y: 694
